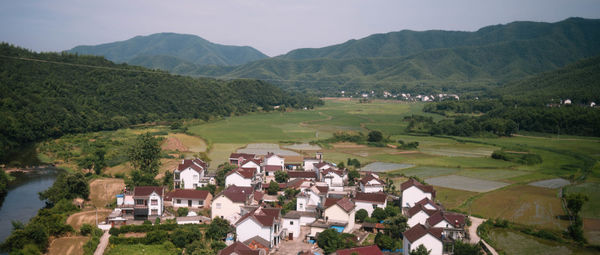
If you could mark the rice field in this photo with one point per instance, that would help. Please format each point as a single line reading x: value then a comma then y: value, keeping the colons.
x: 551, y: 184
x: 591, y: 208
x: 384, y: 167
x: 426, y: 171
x: 465, y: 183
x: 512, y: 242
x: 302, y: 147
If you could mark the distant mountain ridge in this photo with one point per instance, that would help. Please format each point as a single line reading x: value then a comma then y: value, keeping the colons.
x: 174, y: 49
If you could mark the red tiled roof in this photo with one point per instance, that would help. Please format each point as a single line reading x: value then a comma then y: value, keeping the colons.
x: 419, y: 207
x: 344, y: 203
x: 457, y: 220
x: 241, y: 155
x: 378, y: 197
x: 144, y: 191
x: 238, y: 248
x: 369, y: 178
x: 247, y: 173
x: 321, y: 164
x: 294, y: 184
x: 365, y: 250
x: 302, y: 174
x: 188, y: 193
x: 427, y: 201
x: 272, y: 168
x: 264, y: 216
x: 258, y: 195
x: 418, y: 231
x: 322, y: 189
x: 331, y: 170
x: 412, y: 182
x: 255, y: 160
x: 237, y: 194
x: 195, y: 164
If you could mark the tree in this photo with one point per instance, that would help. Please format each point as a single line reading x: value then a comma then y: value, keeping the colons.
x: 384, y: 241
x: 341, y: 165
x: 144, y: 155
x: 461, y: 248
x: 222, y: 171
x: 379, y: 214
x: 168, y: 180
x: 273, y: 188
x: 361, y: 215
x: 375, y: 136
x: 392, y: 210
x: 421, y: 250
x: 353, y: 175
x: 575, y: 202
x: 291, y: 193
x: 218, y: 229
x: 330, y: 241
x: 210, y: 187
x: 182, y: 211
x: 281, y: 176
x: 98, y: 160
x: 395, y: 226
x: 67, y: 186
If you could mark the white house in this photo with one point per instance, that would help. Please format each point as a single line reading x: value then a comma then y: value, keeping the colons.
x: 308, y: 175
x: 453, y: 224
x: 292, y: 221
x: 309, y: 163
x: 309, y: 199
x: 262, y: 222
x: 227, y: 204
x: 190, y: 198
x: 270, y: 172
x: 418, y: 214
x: 341, y: 211
x: 370, y: 201
x: 238, y: 158
x: 370, y: 184
x: 241, y: 177
x: 252, y: 163
x: 414, y: 191
x: 239, y: 248
x: 190, y: 174
x: 431, y: 238
x: 148, y: 201
x: 334, y: 178
x: 273, y: 160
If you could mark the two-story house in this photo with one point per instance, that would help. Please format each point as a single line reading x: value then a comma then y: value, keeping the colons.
x: 453, y: 224
x: 370, y: 201
x: 242, y: 177
x: 371, y: 183
x: 419, y: 234
x: 148, y: 202
x: 309, y: 163
x: 262, y: 224
x: 227, y: 204
x: 238, y: 158
x: 340, y: 211
x: 414, y: 191
x: 190, y: 174
x: 335, y: 179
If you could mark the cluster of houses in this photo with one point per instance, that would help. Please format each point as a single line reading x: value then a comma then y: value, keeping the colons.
x: 404, y: 96
x: 323, y: 201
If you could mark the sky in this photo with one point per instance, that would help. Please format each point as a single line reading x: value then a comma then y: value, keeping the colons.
x: 272, y: 26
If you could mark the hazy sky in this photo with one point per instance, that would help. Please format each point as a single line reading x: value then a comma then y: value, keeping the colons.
x: 271, y: 26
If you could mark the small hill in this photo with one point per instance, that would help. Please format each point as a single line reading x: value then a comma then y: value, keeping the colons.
x: 579, y: 82
x: 174, y: 49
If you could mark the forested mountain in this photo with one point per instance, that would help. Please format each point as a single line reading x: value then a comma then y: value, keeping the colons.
x: 428, y: 61
x: 174, y: 49
x: 48, y: 95
x: 579, y: 82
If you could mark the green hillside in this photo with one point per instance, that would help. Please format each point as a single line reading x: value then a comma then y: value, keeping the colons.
x: 149, y: 51
x: 49, y: 95
x: 427, y: 61
x: 579, y: 82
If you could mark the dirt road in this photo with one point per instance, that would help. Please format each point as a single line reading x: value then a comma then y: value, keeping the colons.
x: 475, y: 222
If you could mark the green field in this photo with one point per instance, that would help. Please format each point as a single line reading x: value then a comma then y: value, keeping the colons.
x: 512, y: 242
x: 133, y: 249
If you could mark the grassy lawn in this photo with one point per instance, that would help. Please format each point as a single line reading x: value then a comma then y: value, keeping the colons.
x: 452, y: 198
x: 512, y: 242
x: 141, y: 249
x: 591, y: 208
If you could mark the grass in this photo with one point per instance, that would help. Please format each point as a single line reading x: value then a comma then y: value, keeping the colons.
x: 141, y: 249
x: 522, y: 204
x: 512, y: 242
x: 68, y: 245
x: 591, y: 208
x: 452, y: 198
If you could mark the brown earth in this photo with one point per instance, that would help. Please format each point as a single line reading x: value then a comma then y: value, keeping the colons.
x: 67, y: 245
x: 348, y: 145
x: 104, y: 190
x: 173, y: 144
x: 88, y: 216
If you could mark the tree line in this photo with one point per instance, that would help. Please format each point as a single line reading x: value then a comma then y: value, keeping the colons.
x: 47, y: 95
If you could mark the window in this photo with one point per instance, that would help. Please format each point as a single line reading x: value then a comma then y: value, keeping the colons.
x: 176, y: 176
x: 291, y: 223
x: 179, y: 201
x: 195, y: 177
x: 154, y: 212
x: 195, y: 185
x: 201, y: 202
x: 218, y: 205
x: 154, y: 202
x: 374, y: 206
x: 139, y: 201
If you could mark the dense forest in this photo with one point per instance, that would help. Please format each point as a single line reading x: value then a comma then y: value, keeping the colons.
x: 505, y: 117
x: 49, y: 95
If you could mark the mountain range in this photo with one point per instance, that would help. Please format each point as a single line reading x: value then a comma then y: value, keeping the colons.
x: 404, y: 61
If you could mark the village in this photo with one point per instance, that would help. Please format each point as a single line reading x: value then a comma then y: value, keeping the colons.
x: 312, y: 200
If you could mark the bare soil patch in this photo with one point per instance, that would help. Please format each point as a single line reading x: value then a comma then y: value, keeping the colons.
x: 68, y: 245
x: 103, y: 191
x: 173, y: 144
x: 89, y: 217
x: 591, y: 224
x: 348, y: 145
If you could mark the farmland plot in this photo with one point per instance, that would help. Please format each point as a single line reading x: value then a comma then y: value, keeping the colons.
x: 465, y: 183
x: 551, y: 184
x: 383, y: 166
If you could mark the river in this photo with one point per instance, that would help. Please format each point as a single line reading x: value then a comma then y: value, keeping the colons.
x: 22, y: 201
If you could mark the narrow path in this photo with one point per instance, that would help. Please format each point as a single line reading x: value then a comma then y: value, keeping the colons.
x: 475, y: 222
x: 103, y: 243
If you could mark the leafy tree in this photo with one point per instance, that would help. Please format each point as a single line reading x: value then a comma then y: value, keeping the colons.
x: 375, y: 136
x: 462, y: 248
x: 280, y: 199
x: 341, y: 165
x: 182, y: 211
x: 395, y: 226
x: 222, y: 171
x: 392, y: 210
x: 86, y: 229
x: 353, y: 175
x: 379, y: 214
x: 361, y: 215
x: 218, y: 229
x: 421, y: 250
x: 210, y: 187
x: 291, y: 193
x: 144, y: 155
x: 138, y: 178
x: 167, y: 180
x: 384, y: 241
x: 67, y: 186
x: 185, y: 235
x: 273, y: 188
x: 330, y: 241
x: 575, y: 202
x: 289, y: 206
x: 281, y: 176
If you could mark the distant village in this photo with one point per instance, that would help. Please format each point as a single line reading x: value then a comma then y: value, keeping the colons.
x: 401, y: 96
x: 325, y: 199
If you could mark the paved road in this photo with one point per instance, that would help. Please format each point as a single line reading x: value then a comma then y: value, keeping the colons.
x: 475, y: 222
x: 103, y: 243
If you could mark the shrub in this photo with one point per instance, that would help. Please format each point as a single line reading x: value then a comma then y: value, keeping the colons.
x: 86, y: 229
x: 361, y: 215
x: 182, y: 211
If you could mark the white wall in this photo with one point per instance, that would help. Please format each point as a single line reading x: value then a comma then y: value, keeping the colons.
x: 251, y: 164
x: 228, y: 209
x: 237, y: 180
x: 309, y: 164
x: 443, y: 224
x: 368, y: 206
x: 249, y: 228
x: 184, y: 202
x: 420, y: 217
x: 158, y: 206
x: 412, y: 195
x: 429, y: 241
x: 274, y: 161
x: 301, y: 203
x: 189, y: 178
x: 292, y: 226
x: 306, y: 220
x: 371, y: 189
x: 315, y: 230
